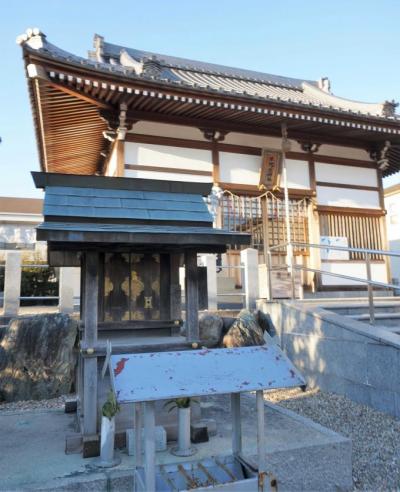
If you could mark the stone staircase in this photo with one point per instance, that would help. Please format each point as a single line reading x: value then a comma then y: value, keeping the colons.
x: 387, y: 310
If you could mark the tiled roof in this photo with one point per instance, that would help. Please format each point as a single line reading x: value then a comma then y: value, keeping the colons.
x: 211, y: 78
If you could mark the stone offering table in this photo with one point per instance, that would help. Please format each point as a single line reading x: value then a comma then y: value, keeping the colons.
x: 182, y: 374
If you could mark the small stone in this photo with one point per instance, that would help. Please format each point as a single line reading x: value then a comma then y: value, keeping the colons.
x: 210, y: 328
x: 70, y: 406
x: 91, y: 446
x: 198, y: 433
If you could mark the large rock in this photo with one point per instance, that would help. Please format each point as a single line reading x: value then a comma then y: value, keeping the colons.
x: 37, y: 360
x: 244, y: 332
x: 210, y: 329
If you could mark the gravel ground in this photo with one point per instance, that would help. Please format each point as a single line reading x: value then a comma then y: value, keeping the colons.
x: 29, y: 405
x: 375, y: 435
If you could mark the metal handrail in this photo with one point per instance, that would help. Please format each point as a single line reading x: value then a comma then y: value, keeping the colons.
x: 340, y: 248
x: 367, y: 252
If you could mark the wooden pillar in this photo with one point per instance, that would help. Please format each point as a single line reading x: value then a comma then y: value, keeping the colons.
x: 165, y: 287
x: 176, y: 294
x: 192, y: 300
x: 215, y: 161
x: 90, y: 339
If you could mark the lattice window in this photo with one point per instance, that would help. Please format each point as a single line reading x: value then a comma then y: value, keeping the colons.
x: 361, y: 231
x: 264, y: 218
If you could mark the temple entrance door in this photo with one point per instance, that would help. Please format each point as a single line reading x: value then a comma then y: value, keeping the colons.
x: 131, y: 287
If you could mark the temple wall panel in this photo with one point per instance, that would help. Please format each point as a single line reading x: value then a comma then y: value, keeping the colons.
x: 181, y: 164
x: 347, y: 197
x: 239, y: 168
x: 298, y: 175
x: 260, y: 141
x: 351, y: 175
x: 167, y: 130
x: 346, y: 152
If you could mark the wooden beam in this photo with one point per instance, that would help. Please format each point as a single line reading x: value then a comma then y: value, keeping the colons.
x: 78, y: 95
x: 350, y: 210
x: 348, y: 186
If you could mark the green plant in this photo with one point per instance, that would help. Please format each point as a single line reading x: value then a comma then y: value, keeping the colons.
x: 179, y: 403
x: 110, y: 407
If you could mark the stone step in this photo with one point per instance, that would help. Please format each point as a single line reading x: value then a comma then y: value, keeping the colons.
x: 380, y: 316
x: 359, y: 310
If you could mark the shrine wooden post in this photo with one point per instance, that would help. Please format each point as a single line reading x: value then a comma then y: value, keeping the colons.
x: 192, y: 300
x: 91, y: 280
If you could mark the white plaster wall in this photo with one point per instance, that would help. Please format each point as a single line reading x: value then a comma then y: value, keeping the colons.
x: 192, y: 178
x: 352, y: 269
x: 167, y: 156
x: 239, y: 168
x: 347, y: 197
x: 346, y: 152
x: 166, y: 130
x: 298, y: 176
x: 337, y: 173
x: 392, y: 205
x: 179, y: 131
x: 260, y: 141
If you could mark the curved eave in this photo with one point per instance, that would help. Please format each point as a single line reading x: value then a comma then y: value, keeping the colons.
x: 87, y: 89
x: 84, y: 68
x: 69, y: 130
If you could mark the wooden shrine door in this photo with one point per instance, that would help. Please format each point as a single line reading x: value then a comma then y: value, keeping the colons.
x: 131, y: 287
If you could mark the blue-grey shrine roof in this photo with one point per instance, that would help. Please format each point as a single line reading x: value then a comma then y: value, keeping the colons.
x: 91, y: 209
x: 97, y: 203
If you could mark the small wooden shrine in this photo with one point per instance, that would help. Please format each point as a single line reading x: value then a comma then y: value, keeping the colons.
x: 130, y: 237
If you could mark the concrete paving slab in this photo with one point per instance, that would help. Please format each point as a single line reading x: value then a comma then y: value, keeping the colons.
x: 303, y: 455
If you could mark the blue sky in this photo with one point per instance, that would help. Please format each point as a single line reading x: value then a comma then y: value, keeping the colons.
x: 355, y: 43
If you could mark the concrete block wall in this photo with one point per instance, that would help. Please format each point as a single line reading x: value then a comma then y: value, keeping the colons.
x: 340, y: 355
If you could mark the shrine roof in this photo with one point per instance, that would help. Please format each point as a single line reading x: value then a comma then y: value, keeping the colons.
x: 91, y: 209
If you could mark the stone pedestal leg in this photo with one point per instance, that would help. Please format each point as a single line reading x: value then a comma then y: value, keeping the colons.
x: 210, y: 262
x: 249, y: 261
x: 66, y: 290
x: 12, y: 283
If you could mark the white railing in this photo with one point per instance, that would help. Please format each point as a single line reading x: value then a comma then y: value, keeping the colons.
x: 367, y: 253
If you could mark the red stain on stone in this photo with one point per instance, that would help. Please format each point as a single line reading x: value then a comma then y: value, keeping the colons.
x: 120, y: 366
